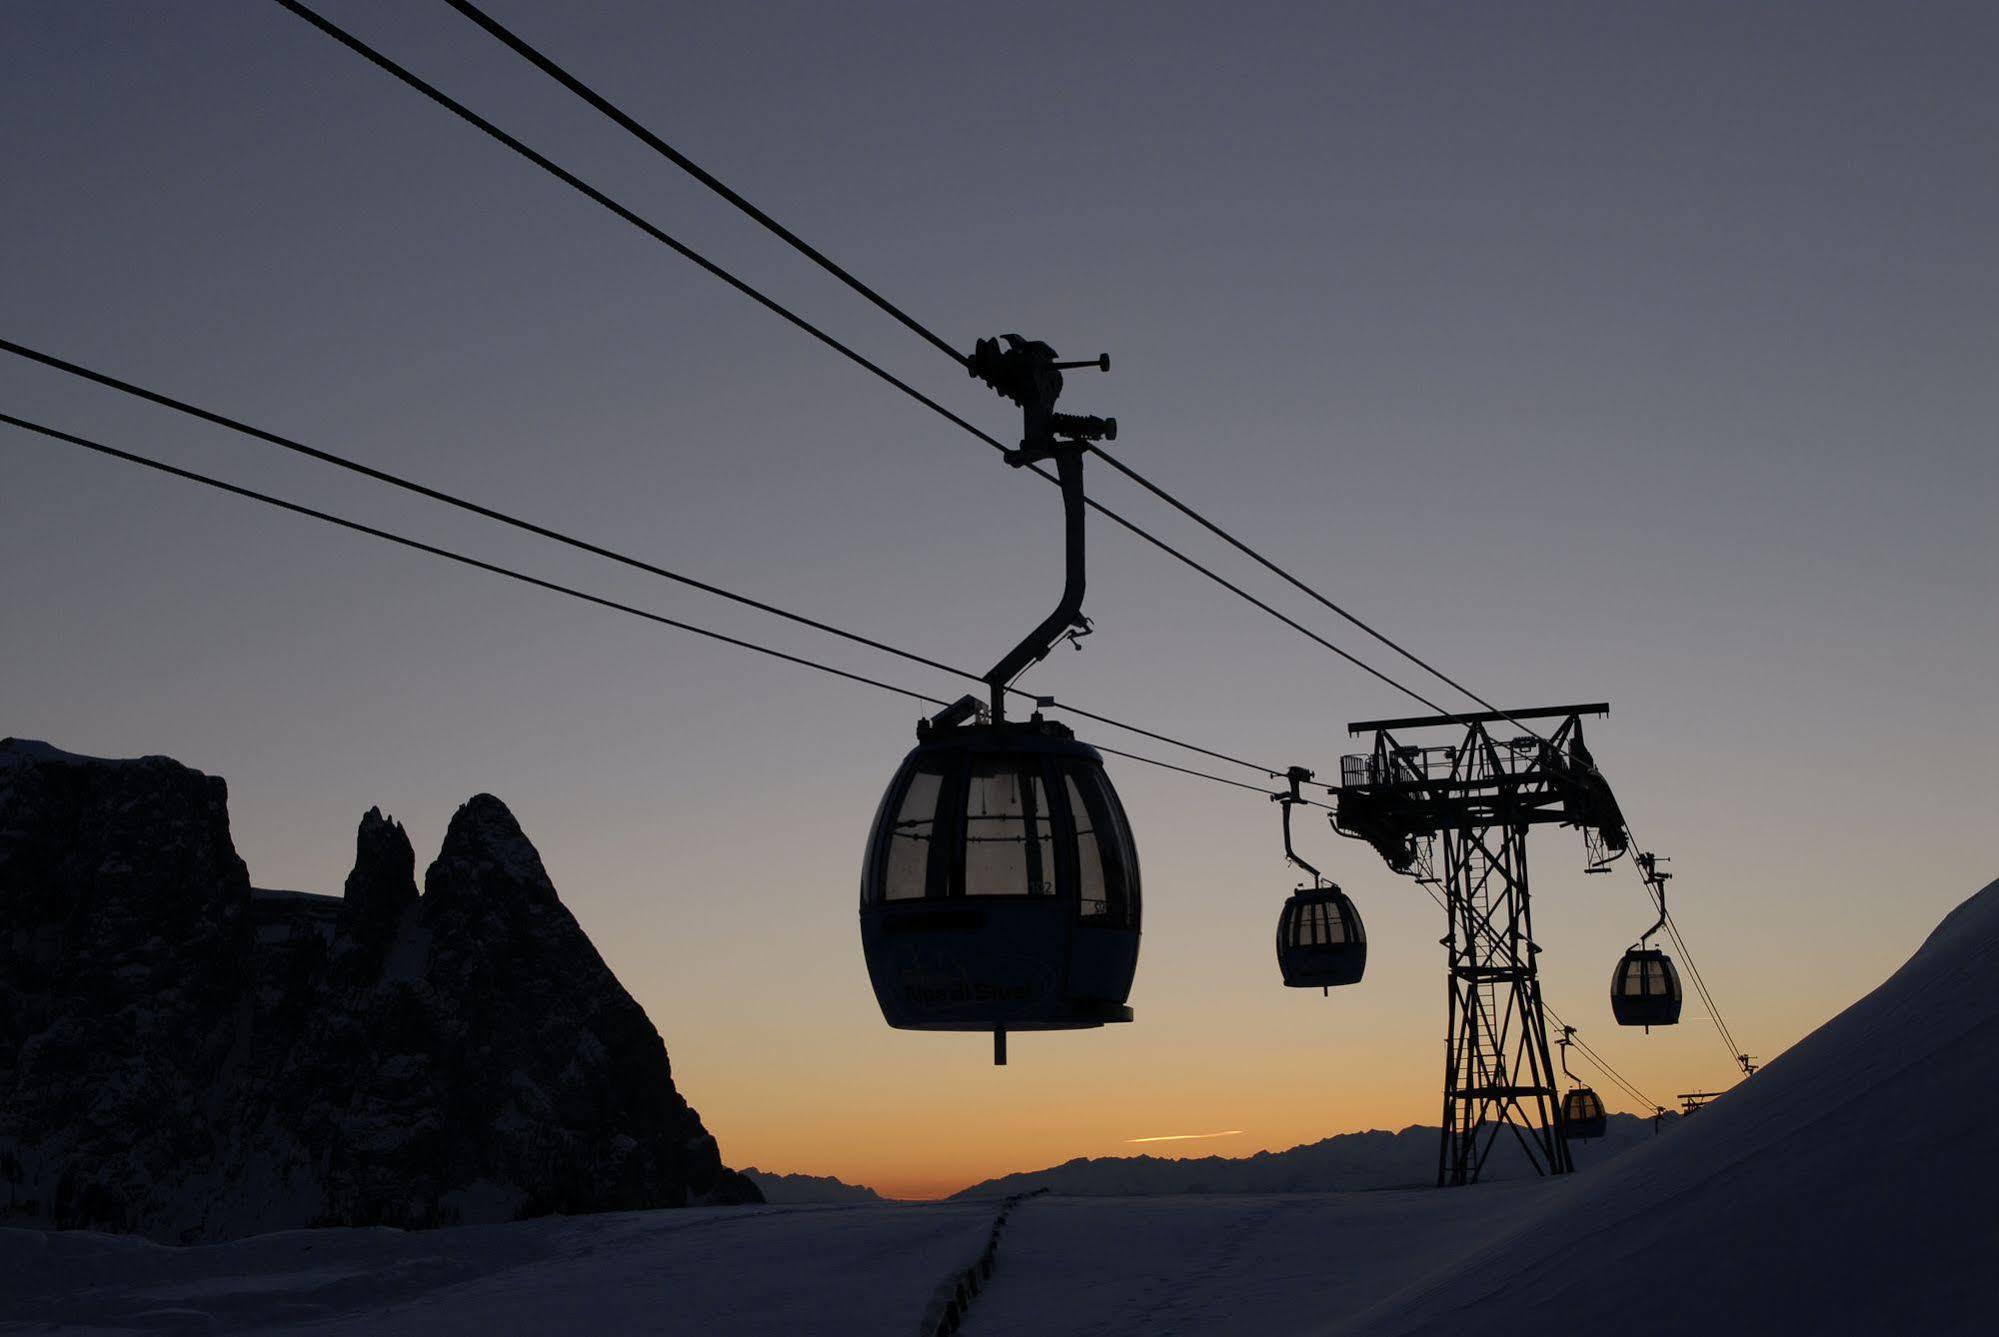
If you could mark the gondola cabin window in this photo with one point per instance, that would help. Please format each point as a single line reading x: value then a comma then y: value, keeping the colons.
x: 1009, y: 831
x: 1103, y: 881
x: 914, y: 833
x: 1092, y: 887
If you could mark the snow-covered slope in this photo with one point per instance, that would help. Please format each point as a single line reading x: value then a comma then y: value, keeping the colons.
x: 1847, y: 1187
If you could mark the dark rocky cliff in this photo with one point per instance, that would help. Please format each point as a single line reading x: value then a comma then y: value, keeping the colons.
x: 186, y: 1057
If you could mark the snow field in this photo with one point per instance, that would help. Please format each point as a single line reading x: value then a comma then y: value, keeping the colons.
x: 760, y: 1272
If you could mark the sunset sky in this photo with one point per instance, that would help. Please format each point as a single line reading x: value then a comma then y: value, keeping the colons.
x: 1627, y: 352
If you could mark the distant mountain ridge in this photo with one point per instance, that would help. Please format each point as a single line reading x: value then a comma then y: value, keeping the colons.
x: 1343, y: 1163
x: 795, y: 1189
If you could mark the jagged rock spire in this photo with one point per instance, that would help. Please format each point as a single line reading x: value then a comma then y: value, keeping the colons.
x: 383, y: 883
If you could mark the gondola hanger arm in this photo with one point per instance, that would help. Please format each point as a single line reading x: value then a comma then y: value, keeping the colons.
x: 1287, y: 800
x: 1027, y: 373
x: 1648, y: 865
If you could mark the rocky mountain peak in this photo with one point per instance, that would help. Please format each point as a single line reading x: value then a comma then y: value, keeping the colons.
x: 383, y: 883
x: 486, y: 854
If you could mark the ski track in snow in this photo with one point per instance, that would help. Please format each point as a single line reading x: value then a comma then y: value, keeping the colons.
x: 1206, y: 1266
x: 1841, y: 1190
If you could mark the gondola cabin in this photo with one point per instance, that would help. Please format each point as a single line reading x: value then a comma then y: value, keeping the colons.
x: 1582, y: 1114
x: 1645, y: 989
x: 1320, y: 940
x: 1000, y: 890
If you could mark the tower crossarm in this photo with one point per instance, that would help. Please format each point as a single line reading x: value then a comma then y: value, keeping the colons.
x: 1399, y: 792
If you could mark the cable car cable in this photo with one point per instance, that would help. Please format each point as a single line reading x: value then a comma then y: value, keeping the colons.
x: 360, y: 48
x: 357, y: 526
x: 553, y: 586
x: 577, y: 183
x: 435, y: 551
x: 599, y: 197
x: 1602, y: 1065
x: 569, y: 178
x: 1184, y: 770
x: 631, y: 125
x: 1700, y: 985
x: 1693, y: 970
x: 570, y: 540
x: 550, y: 67
x: 461, y: 503
x: 1654, y: 883
x: 590, y: 95
x: 1236, y: 543
x: 496, y: 569
x: 1247, y: 597
x: 575, y: 85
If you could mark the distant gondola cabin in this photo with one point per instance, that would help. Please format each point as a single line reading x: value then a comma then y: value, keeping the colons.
x: 1582, y: 1114
x: 1321, y: 942
x: 1645, y: 989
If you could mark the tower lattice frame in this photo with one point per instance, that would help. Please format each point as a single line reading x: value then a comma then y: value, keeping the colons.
x: 1457, y: 816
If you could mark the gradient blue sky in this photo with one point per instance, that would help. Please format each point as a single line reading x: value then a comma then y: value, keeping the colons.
x: 1640, y: 352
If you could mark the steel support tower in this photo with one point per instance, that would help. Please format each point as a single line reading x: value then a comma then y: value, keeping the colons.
x: 1457, y: 816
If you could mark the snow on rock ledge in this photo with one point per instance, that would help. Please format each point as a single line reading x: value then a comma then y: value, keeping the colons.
x: 183, y: 1057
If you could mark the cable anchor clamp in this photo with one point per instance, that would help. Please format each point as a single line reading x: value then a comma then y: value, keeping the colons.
x: 1025, y: 371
